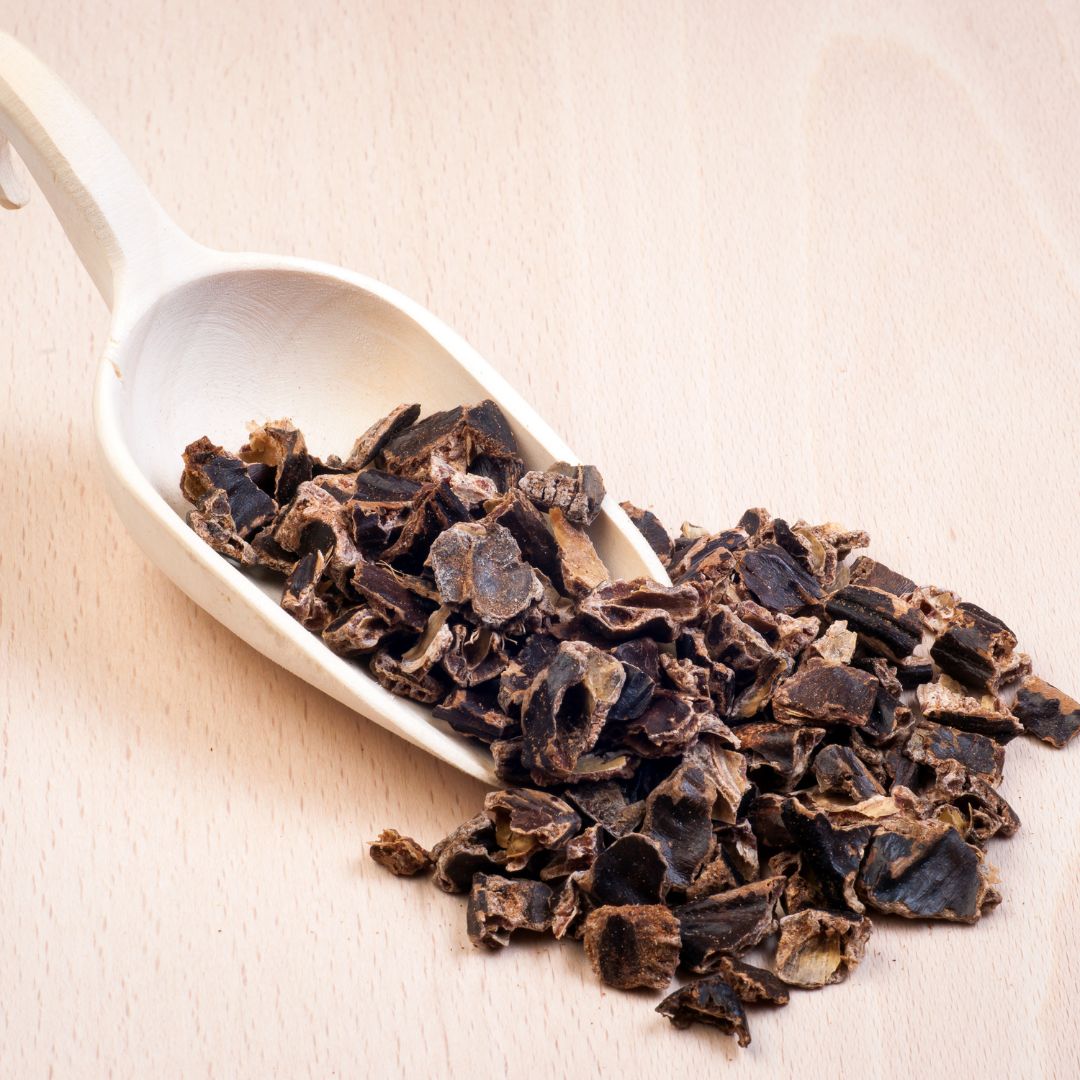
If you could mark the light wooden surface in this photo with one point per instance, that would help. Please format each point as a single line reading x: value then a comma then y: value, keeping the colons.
x: 819, y: 257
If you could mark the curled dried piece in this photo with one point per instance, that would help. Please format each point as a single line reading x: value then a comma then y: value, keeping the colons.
x: 302, y: 598
x: 632, y: 947
x: 498, y: 906
x: 874, y: 575
x: 564, y: 709
x: 606, y: 803
x: 1046, y: 712
x: 435, y: 508
x: 728, y: 923
x: 726, y: 771
x: 937, y: 746
x: 389, y: 595
x: 580, y: 569
x: 838, y: 770
x: 819, y: 948
x: 472, y: 713
x: 753, y: 985
x: 776, y: 580
x: 209, y: 469
x: 355, y: 632
x: 528, y: 821
x: 831, y: 853
x: 668, y: 725
x: 978, y: 650
x: 632, y: 870
x: 707, y: 1001
x: 652, y: 528
x: 577, y: 490
x: 782, y: 749
x: 422, y: 686
x: 369, y: 445
x: 465, y: 852
x: 212, y: 522
x: 678, y: 816
x: 826, y: 693
x: 481, y: 565
x: 281, y: 448
x: 401, y: 855
x: 521, y: 670
x: 640, y: 608
x: 705, y: 559
x: 577, y: 856
x: 884, y: 623
x: 944, y: 702
x: 925, y: 870
x: 475, y: 655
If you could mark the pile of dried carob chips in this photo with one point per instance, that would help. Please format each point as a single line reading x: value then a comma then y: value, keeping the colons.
x: 760, y: 754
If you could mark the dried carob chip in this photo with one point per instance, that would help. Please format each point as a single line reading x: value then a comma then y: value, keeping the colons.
x: 707, y: 1001
x: 783, y: 738
x: 632, y: 947
x: 819, y: 948
x: 401, y: 855
x: 498, y: 906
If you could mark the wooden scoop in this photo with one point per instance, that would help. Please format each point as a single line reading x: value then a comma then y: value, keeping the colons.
x: 203, y: 342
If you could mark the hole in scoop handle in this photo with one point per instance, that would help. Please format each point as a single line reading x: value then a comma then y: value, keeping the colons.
x: 123, y: 237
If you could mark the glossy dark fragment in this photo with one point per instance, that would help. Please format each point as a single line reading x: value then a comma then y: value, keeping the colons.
x: 635, y: 947
x: 678, y: 816
x: 832, y: 855
x: 709, y: 1001
x: 302, y: 597
x: 533, y: 657
x: 753, y: 985
x: 498, y: 906
x: 885, y: 623
x: 667, y: 726
x: 472, y: 713
x: 934, y: 745
x: 355, y: 632
x: 212, y: 522
x: 727, y: 924
x: 780, y: 748
x: 529, y: 527
x: 1046, y: 712
x: 640, y: 608
x: 838, y: 770
x: 401, y: 855
x: 725, y: 769
x: 435, y: 508
x: 209, y: 468
x: 281, y: 447
x: 465, y: 852
x: 874, y: 575
x: 424, y: 687
x: 565, y: 707
x: 606, y: 803
x: 527, y: 821
x: 776, y: 581
x: 947, y: 705
x: 978, y: 650
x: 652, y: 528
x: 369, y: 445
x: 389, y: 595
x: 632, y: 870
x: 924, y: 870
x: 818, y: 948
x: 823, y: 693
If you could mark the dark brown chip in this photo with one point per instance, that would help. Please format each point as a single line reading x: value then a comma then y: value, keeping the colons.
x: 885, y: 624
x: 838, y: 770
x: 580, y: 569
x: 529, y: 528
x: 826, y: 693
x: 281, y: 447
x: 420, y: 686
x: 937, y: 746
x: 462, y: 437
x: 633, y: 947
x: 727, y: 924
x: 577, y: 856
x: 498, y: 906
x: 357, y: 631
x: 465, y: 852
x: 577, y: 490
x: 389, y: 595
x: 709, y: 1001
x: 913, y: 671
x: 948, y: 704
x: 819, y: 948
x: 640, y: 608
x: 632, y: 870
x: 753, y: 985
x: 978, y: 650
x: 1046, y: 712
x: 669, y: 725
x: 678, y: 816
x: 874, y: 575
x: 528, y: 821
x: 606, y: 803
x: 212, y: 522
x: 776, y: 580
x: 369, y: 445
x: 302, y: 598
x: 209, y: 469
x: 472, y: 713
x: 565, y: 708
x: 707, y: 559
x: 435, y: 508
x: 401, y: 855
x: 533, y: 657
x: 652, y: 528
x: 831, y: 854
x: 726, y: 770
x: 924, y: 870
x: 972, y: 806
x: 480, y: 565
x: 782, y: 749
x: 718, y: 876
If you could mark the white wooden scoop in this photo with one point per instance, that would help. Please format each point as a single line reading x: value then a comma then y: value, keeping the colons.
x: 203, y: 342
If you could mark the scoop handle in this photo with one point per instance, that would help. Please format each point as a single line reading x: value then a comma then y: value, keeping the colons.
x: 123, y: 237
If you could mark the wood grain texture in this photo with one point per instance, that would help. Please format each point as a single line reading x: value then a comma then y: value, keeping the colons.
x: 820, y: 257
